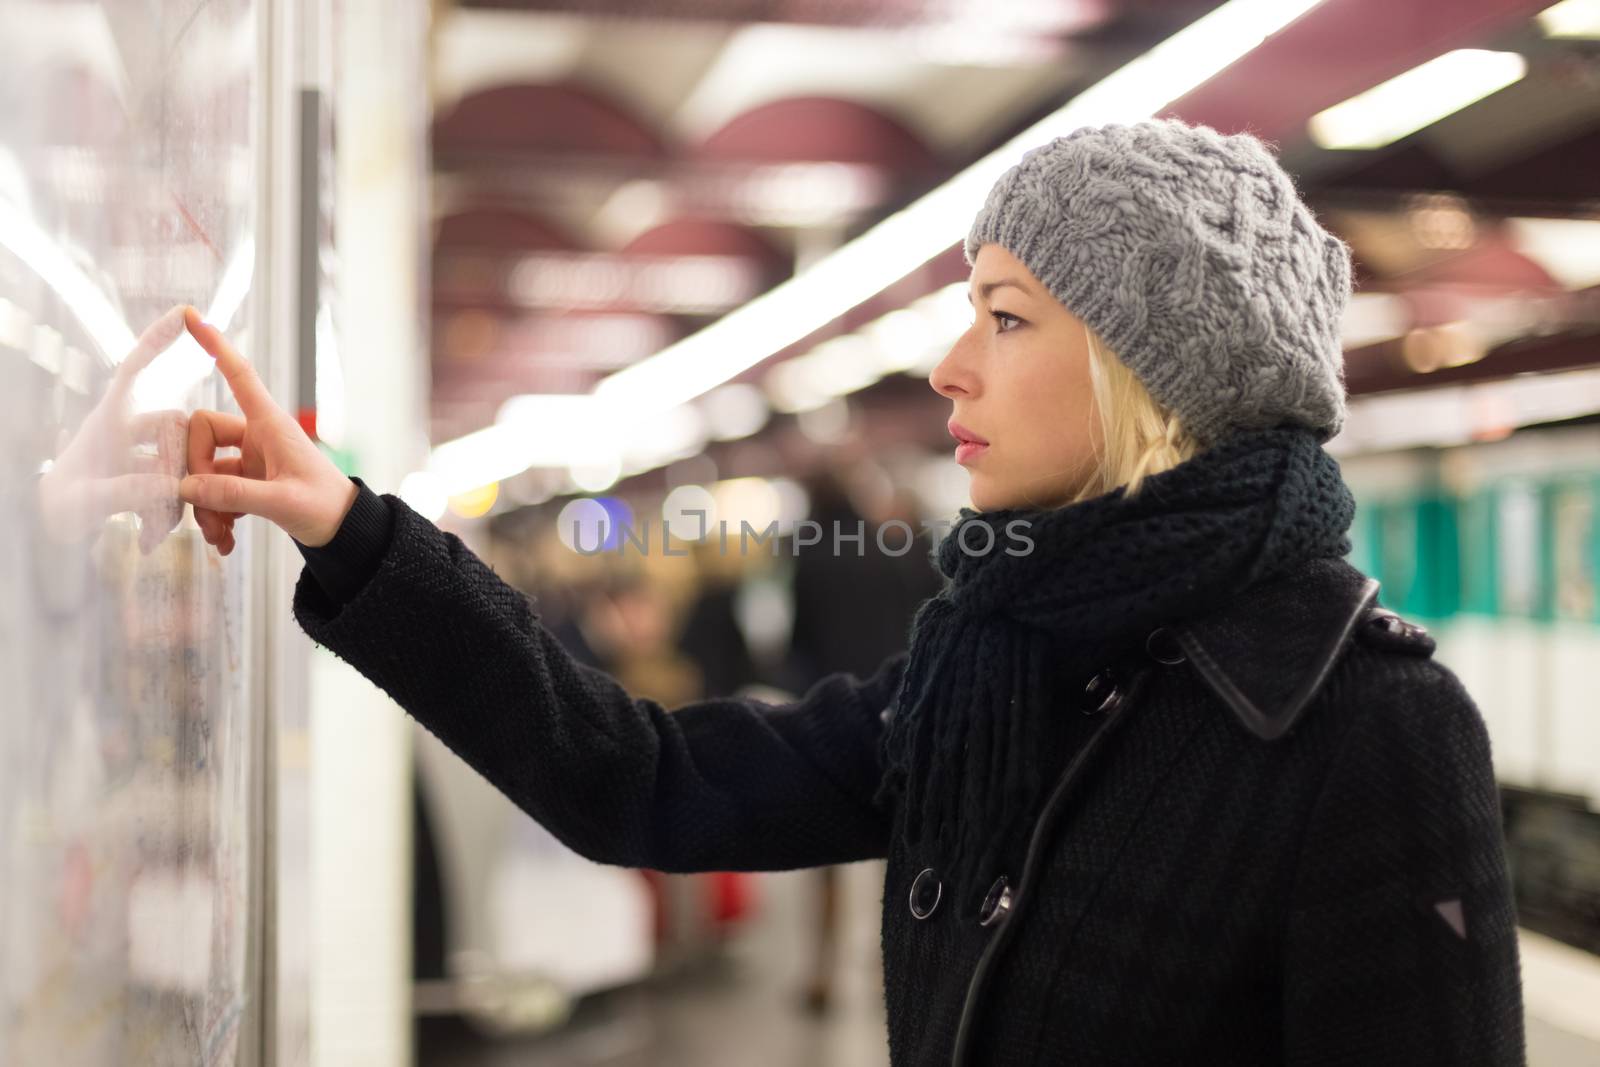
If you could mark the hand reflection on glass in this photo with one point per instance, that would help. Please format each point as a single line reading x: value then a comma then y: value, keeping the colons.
x: 102, y: 472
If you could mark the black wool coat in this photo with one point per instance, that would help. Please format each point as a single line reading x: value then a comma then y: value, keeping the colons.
x: 1276, y: 838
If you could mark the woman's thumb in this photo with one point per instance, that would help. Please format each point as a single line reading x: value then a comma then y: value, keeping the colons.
x: 227, y: 492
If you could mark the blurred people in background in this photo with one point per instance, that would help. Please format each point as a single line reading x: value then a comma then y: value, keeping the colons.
x: 881, y: 587
x: 853, y: 605
x: 711, y: 635
x: 634, y: 618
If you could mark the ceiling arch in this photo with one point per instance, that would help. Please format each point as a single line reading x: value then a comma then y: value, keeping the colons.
x: 554, y: 118
x: 817, y: 129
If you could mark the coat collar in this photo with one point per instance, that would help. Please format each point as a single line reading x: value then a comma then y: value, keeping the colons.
x: 1267, y: 651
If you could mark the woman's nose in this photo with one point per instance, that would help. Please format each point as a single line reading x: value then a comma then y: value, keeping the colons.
x: 951, y: 378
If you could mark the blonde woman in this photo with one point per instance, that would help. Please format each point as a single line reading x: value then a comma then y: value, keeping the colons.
x: 1157, y: 780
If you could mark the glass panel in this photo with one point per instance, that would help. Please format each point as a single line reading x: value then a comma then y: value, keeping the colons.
x: 125, y: 740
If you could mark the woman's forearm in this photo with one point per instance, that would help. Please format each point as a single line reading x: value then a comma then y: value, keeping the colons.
x: 719, y: 784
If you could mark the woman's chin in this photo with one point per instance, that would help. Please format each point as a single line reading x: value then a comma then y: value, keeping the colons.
x: 985, y: 495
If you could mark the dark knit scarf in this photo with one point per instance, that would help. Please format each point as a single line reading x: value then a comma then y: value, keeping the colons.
x: 1006, y: 649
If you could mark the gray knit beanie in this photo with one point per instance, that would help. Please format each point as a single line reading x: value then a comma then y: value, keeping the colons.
x: 1192, y: 256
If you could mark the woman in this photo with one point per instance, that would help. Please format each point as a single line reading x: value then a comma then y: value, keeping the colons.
x: 1157, y: 780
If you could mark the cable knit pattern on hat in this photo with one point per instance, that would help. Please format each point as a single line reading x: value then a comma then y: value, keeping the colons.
x: 1191, y: 254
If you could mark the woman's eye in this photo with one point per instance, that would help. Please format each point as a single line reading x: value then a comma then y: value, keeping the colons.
x: 1002, y: 318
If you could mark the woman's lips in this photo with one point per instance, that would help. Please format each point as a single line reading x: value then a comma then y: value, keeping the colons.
x: 969, y: 445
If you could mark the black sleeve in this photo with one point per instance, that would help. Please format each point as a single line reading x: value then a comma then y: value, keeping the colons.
x: 345, y: 564
x: 718, y: 784
x: 1402, y: 942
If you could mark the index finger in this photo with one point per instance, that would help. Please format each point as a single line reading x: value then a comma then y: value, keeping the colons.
x: 248, y: 389
x: 156, y: 339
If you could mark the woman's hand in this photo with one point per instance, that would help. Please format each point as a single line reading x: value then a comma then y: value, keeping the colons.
x: 101, y: 471
x: 280, y: 473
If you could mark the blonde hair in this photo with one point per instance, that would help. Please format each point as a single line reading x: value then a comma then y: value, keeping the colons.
x: 1137, y: 436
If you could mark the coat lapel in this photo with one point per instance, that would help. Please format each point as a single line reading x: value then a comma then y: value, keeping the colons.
x: 1267, y: 652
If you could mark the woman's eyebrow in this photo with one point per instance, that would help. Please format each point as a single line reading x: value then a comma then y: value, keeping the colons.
x: 988, y: 287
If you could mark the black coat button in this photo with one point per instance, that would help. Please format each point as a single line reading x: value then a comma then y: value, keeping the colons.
x: 997, y: 905
x: 1163, y: 647
x: 926, y: 892
x: 1101, y: 694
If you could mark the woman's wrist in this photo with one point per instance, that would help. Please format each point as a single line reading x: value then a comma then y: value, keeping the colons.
x: 346, y: 562
x: 327, y: 531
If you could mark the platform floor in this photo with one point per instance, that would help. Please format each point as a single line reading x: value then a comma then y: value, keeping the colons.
x: 720, y: 1014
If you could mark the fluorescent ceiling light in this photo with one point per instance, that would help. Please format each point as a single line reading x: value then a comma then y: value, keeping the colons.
x: 1571, y: 18
x: 1419, y: 97
x: 1569, y: 249
x: 493, y: 453
x: 529, y: 431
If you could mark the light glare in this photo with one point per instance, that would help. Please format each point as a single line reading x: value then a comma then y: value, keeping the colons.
x: 1571, y: 18
x: 1420, y: 97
